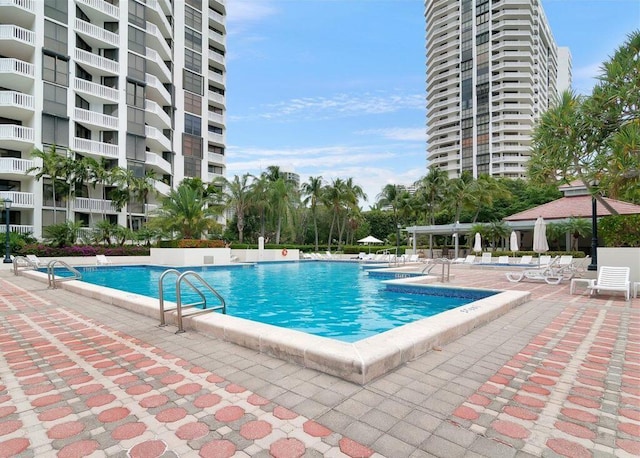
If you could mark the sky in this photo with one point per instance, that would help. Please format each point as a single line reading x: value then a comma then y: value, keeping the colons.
x: 336, y: 88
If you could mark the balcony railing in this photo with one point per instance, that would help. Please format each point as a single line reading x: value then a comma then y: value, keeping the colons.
x: 156, y: 135
x: 17, y: 66
x: 97, y: 32
x: 154, y: 159
x: 103, y: 7
x: 153, y: 108
x: 15, y: 165
x: 216, y: 17
x: 97, y: 90
x: 216, y: 97
x: 216, y: 157
x: 154, y: 83
x: 97, y: 119
x: 216, y: 117
x: 153, y: 30
x: 21, y: 228
x: 16, y: 99
x: 216, y: 57
x: 162, y: 188
x: 97, y: 61
x: 13, y: 32
x: 154, y: 57
x: 153, y: 6
x: 18, y: 199
x: 96, y: 148
x: 16, y: 133
x: 84, y: 204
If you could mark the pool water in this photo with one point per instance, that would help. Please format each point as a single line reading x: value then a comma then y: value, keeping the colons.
x: 330, y: 299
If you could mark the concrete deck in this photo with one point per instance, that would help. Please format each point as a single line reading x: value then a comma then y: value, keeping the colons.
x: 557, y: 376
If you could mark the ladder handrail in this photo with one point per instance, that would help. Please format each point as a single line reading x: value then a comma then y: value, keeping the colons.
x: 183, y: 277
x: 24, y: 260
x: 223, y: 305
x: 51, y: 274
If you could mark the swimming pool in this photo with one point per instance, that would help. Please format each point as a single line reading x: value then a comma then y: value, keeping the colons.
x: 328, y: 299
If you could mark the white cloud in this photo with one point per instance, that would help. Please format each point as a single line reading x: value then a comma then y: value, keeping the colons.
x: 339, y: 105
x: 398, y: 133
x: 584, y: 78
x: 241, y: 12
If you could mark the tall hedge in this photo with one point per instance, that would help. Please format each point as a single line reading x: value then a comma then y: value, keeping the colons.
x: 619, y: 231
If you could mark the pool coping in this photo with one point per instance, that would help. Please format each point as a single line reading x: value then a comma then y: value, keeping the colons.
x: 359, y: 362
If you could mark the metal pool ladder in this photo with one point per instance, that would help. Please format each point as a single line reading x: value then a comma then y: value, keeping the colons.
x: 51, y: 273
x: 183, y: 277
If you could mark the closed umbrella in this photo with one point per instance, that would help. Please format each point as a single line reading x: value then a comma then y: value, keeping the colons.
x: 477, y: 246
x: 540, y: 244
x: 513, y: 241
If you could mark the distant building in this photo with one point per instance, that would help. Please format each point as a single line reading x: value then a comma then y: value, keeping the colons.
x: 138, y: 83
x: 492, y: 69
x: 565, y: 77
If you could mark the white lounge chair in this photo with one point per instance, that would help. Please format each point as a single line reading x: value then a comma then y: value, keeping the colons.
x: 526, y: 259
x: 486, y: 258
x: 470, y: 259
x: 612, y: 279
x: 547, y: 273
x: 33, y: 259
x: 414, y: 258
x: 503, y: 259
x: 544, y: 260
x: 102, y: 260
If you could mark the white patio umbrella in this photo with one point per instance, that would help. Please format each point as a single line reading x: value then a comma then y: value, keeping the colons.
x: 369, y: 240
x: 477, y: 246
x: 513, y: 241
x: 540, y: 244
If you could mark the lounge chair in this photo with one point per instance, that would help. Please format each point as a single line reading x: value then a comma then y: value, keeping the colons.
x: 413, y: 258
x: 486, y: 258
x: 102, y: 260
x: 544, y: 260
x: 503, y: 259
x: 547, y: 273
x: 33, y: 259
x: 526, y: 259
x: 612, y: 279
x: 470, y: 259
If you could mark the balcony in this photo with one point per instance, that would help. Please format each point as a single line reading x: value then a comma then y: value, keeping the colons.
x: 162, y: 188
x: 155, y: 39
x: 16, y: 137
x: 16, y: 105
x: 96, y: 93
x: 156, y: 139
x: 17, y: 41
x: 216, y: 158
x: 17, y: 75
x: 100, y: 11
x: 96, y: 119
x: 157, y: 15
x: 216, y: 97
x: 156, y: 115
x: 21, y: 228
x: 18, y: 199
x: 157, y: 163
x: 216, y: 18
x: 98, y: 65
x: 216, y: 77
x: 216, y: 118
x: 157, y: 66
x: 216, y: 57
x: 15, y: 166
x: 18, y: 12
x: 156, y: 90
x: 216, y: 138
x: 96, y: 36
x: 211, y: 177
x: 86, y: 205
x: 216, y: 38
x: 95, y: 148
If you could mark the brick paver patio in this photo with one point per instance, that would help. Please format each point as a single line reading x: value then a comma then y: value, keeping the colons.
x: 558, y: 376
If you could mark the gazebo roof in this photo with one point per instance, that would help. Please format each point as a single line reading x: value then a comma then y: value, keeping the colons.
x: 574, y: 206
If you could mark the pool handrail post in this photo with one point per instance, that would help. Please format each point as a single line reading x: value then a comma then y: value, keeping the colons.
x: 161, y: 293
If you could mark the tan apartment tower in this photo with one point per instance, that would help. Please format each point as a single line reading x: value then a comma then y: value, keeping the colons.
x: 492, y: 69
x: 138, y: 84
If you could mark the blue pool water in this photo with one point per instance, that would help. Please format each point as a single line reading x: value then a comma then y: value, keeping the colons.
x: 330, y: 299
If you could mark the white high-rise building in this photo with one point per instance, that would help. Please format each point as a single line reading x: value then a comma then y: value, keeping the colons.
x: 138, y: 84
x: 565, y: 77
x: 492, y: 69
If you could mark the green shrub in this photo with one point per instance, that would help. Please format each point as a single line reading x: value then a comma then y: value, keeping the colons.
x: 620, y: 230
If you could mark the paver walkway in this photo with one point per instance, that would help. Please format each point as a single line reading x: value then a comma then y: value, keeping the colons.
x: 558, y: 376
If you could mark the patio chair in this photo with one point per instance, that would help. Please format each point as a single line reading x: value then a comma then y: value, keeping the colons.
x: 612, y: 279
x: 102, y: 260
x: 486, y: 258
x: 33, y: 259
x: 547, y: 273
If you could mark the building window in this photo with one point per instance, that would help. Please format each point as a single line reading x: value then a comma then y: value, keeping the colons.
x: 55, y: 38
x: 216, y: 149
x: 82, y: 103
x: 192, y: 146
x: 192, y: 103
x: 195, y: 3
x: 192, y: 82
x: 193, y: 18
x: 135, y: 94
x: 215, y: 130
x: 193, y: 40
x: 55, y: 69
x: 137, y: 40
x: 192, y: 125
x: 137, y: 67
x: 55, y: 130
x: 192, y: 167
x: 54, y: 99
x: 137, y: 13
x: 192, y: 60
x: 135, y: 121
x: 136, y: 148
x: 56, y: 9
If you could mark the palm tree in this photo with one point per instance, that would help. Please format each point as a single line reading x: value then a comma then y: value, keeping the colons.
x: 388, y: 197
x: 577, y: 227
x: 312, y: 190
x: 352, y: 195
x: 459, y: 194
x: 333, y: 198
x: 486, y: 190
x: 52, y: 166
x: 237, y: 197
x: 257, y: 200
x: 431, y: 192
x: 186, y: 212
